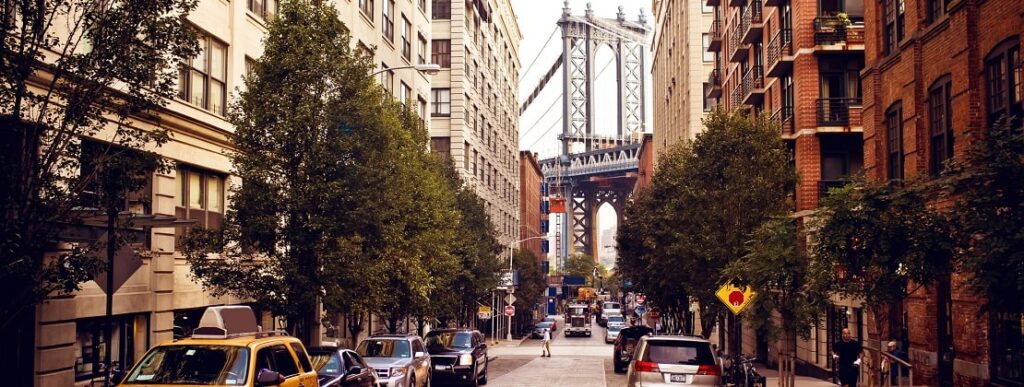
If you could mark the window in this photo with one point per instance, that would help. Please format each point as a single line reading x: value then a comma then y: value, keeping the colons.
x: 200, y: 196
x: 1003, y: 92
x: 366, y: 7
x: 387, y: 79
x: 265, y: 9
x: 404, y: 93
x: 935, y: 9
x: 277, y: 358
x: 441, y: 53
x: 894, y: 141
x: 421, y: 109
x: 705, y: 44
x: 91, y: 344
x: 442, y: 102
x: 250, y: 65
x: 406, y: 40
x: 423, y: 5
x: 940, y: 109
x: 300, y: 352
x: 1007, y: 348
x: 201, y: 81
x: 441, y: 9
x: 422, y: 50
x: 389, y: 20
x: 892, y: 32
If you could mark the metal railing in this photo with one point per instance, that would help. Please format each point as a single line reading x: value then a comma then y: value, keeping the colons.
x: 752, y: 16
x: 882, y: 375
x: 753, y: 80
x: 784, y: 118
x: 738, y: 49
x: 715, y: 36
x: 781, y: 45
x: 833, y: 30
x: 715, y: 81
x: 836, y: 111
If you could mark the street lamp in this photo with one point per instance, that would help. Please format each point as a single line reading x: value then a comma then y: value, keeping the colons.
x: 426, y: 68
x: 511, y: 247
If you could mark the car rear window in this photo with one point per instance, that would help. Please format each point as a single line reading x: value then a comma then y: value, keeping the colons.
x: 678, y: 352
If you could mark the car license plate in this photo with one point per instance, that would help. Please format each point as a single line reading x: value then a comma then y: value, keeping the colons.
x: 677, y: 378
x: 441, y: 367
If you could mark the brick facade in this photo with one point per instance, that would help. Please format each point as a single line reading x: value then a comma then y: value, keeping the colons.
x: 949, y: 45
x: 530, y: 179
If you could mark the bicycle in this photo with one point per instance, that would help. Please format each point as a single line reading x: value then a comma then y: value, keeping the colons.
x: 743, y: 373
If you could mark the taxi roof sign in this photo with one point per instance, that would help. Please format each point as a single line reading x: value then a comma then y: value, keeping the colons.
x: 735, y: 298
x: 221, y: 322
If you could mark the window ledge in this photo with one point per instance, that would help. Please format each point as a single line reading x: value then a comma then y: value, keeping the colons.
x: 253, y: 17
x: 366, y: 18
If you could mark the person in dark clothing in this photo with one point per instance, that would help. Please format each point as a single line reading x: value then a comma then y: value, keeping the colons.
x: 847, y: 353
x: 894, y: 369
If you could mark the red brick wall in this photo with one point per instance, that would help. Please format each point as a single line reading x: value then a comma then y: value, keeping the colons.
x: 956, y: 46
x: 530, y: 179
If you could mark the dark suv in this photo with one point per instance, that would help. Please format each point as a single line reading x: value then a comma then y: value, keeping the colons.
x: 459, y: 356
x: 622, y: 352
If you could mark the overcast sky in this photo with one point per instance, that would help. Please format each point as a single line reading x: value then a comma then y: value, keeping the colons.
x: 538, y: 130
x: 537, y: 21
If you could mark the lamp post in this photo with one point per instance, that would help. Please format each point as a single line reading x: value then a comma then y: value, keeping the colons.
x: 426, y: 68
x: 511, y: 247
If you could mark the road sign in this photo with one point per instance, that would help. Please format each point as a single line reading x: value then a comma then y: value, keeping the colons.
x: 640, y: 309
x: 655, y: 313
x: 484, y: 315
x: 735, y: 298
x: 510, y: 310
x: 483, y: 309
x: 640, y: 298
x: 510, y: 299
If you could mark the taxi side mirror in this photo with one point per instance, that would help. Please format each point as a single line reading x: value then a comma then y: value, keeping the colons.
x: 355, y: 370
x: 269, y: 378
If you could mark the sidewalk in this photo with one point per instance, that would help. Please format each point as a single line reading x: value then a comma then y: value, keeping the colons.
x: 772, y: 377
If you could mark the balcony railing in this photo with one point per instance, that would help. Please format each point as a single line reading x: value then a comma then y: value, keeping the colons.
x: 780, y: 53
x: 715, y: 36
x: 752, y: 23
x: 825, y: 185
x: 738, y: 50
x: 836, y: 111
x: 715, y: 83
x: 830, y: 30
x: 736, y: 96
x: 753, y: 85
x: 784, y: 118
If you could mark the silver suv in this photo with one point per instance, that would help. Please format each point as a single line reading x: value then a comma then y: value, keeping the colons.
x: 399, y: 360
x: 674, y: 360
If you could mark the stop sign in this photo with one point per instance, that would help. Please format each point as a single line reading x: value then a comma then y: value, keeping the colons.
x: 510, y: 310
x: 640, y: 298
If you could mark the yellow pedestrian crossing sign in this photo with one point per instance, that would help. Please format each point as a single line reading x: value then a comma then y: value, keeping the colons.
x: 735, y: 298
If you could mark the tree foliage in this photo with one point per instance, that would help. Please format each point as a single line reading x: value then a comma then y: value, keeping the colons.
x: 706, y: 198
x: 73, y: 70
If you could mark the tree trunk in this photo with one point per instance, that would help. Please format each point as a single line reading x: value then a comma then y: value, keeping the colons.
x: 421, y: 325
x: 355, y: 325
x: 392, y: 323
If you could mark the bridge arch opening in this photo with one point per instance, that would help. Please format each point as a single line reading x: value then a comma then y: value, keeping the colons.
x: 607, y: 225
x: 606, y: 95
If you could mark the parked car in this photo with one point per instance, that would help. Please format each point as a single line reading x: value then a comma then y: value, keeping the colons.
x: 399, y: 360
x: 608, y: 309
x: 554, y: 323
x: 226, y: 349
x: 616, y: 319
x: 538, y: 331
x: 458, y: 356
x: 625, y: 343
x: 670, y: 360
x: 612, y: 332
x: 339, y: 367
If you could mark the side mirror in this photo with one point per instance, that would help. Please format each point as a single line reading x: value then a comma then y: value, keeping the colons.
x: 354, y: 370
x: 419, y: 354
x: 269, y: 378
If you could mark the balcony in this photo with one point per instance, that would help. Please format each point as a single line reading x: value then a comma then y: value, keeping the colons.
x: 752, y: 23
x: 839, y: 111
x: 739, y: 50
x: 753, y: 85
x: 784, y: 118
x: 713, y: 3
x: 736, y: 96
x: 715, y: 36
x: 780, y: 53
x: 715, y: 84
x: 831, y: 31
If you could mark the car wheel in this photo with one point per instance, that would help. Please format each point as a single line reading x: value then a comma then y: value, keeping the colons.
x: 412, y: 381
x: 618, y: 367
x: 487, y: 370
x: 476, y: 378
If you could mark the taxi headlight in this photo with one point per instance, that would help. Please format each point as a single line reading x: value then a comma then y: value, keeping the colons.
x: 397, y: 371
x: 466, y: 359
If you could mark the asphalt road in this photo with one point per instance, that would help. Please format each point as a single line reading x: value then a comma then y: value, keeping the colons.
x: 575, y: 361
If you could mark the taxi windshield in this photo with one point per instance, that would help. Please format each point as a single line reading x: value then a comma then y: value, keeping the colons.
x: 192, y: 364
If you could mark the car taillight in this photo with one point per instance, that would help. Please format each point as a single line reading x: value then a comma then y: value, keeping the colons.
x: 712, y: 370
x: 646, y: 366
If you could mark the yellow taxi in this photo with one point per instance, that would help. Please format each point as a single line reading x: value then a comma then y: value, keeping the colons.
x: 227, y: 349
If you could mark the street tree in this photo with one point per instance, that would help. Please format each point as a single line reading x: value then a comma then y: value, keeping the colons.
x: 82, y: 84
x: 532, y: 286
x: 988, y: 216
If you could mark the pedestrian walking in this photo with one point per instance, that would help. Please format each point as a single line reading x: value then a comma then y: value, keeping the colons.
x: 894, y: 369
x: 847, y: 353
x: 547, y: 344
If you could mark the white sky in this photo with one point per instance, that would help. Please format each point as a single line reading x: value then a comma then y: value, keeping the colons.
x: 538, y: 130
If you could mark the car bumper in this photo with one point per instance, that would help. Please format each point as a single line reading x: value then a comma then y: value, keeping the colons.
x: 452, y: 375
x: 398, y: 381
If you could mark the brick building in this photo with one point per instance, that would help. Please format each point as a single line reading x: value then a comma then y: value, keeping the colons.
x: 797, y: 62
x: 937, y: 73
x: 530, y: 181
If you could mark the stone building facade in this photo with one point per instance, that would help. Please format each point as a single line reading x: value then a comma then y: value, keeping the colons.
x: 681, y: 67
x: 938, y: 72
x: 155, y: 298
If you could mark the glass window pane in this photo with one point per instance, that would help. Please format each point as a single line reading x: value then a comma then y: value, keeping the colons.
x: 199, y: 61
x: 218, y: 61
x: 217, y: 97
x: 179, y: 178
x: 213, y: 193
x: 198, y: 89
x: 195, y: 190
x: 270, y: 10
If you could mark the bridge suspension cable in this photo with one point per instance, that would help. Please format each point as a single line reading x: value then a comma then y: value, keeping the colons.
x: 546, y: 131
x: 530, y: 66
